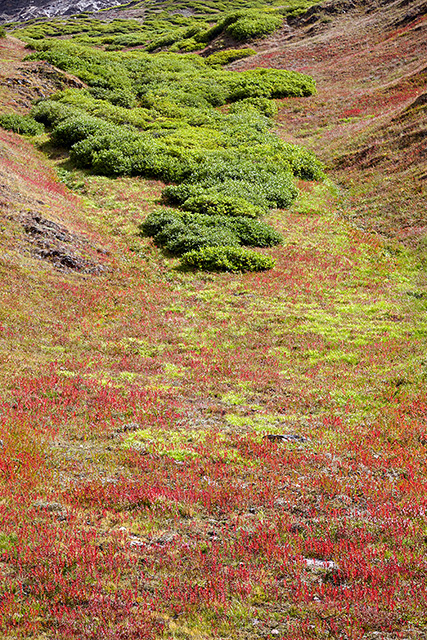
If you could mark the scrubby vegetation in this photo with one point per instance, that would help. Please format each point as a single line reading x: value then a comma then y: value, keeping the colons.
x: 227, y: 258
x: 156, y: 116
x: 180, y: 231
x: 229, y: 55
x: 25, y: 125
x: 165, y: 27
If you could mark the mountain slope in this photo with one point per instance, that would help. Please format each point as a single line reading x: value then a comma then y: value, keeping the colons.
x: 199, y: 455
x: 18, y: 10
x: 368, y: 120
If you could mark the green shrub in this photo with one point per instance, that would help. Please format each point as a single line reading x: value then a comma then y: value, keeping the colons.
x: 51, y: 113
x: 255, y: 233
x: 302, y: 162
x: 222, y: 58
x: 269, y: 83
x: 265, y: 106
x: 119, y: 97
x: 167, y: 224
x: 279, y: 189
x: 77, y: 128
x: 253, y: 25
x: 179, y: 238
x: 24, y: 125
x: 179, y: 193
x: 227, y: 259
x: 188, y: 45
x: 84, y: 153
x: 2, y: 32
x: 158, y: 219
x: 111, y: 162
x: 222, y: 205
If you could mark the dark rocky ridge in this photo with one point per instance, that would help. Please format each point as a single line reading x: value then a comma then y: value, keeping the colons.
x: 19, y: 10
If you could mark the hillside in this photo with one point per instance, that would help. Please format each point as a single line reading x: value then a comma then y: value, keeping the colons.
x: 197, y: 454
x: 19, y: 10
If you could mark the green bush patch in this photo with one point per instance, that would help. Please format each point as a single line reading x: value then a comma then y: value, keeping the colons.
x: 25, y: 125
x: 156, y: 116
x: 227, y: 259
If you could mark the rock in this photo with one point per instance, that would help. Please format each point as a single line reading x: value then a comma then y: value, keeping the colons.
x: 166, y: 537
x: 280, y: 502
x: 136, y: 543
x: 327, y: 570
x: 285, y: 437
x: 129, y: 427
x: 320, y: 565
x: 18, y: 10
x: 53, y: 242
x: 48, y: 506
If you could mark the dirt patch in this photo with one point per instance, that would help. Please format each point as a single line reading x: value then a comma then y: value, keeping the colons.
x: 34, y: 80
x: 53, y: 242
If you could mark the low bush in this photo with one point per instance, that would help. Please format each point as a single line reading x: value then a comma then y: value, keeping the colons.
x: 222, y: 58
x: 51, y: 113
x: 119, y: 97
x: 2, y: 32
x: 72, y: 130
x: 111, y: 162
x: 158, y: 219
x: 265, y: 106
x: 222, y: 205
x: 25, y: 125
x: 177, y: 230
x: 269, y: 83
x: 179, y: 193
x: 180, y: 238
x: 233, y: 259
x: 253, y: 25
x: 255, y: 233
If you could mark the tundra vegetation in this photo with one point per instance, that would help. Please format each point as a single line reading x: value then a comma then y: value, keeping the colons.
x: 228, y: 446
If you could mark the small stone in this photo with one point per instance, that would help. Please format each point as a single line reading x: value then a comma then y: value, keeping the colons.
x: 285, y: 437
x: 48, y: 506
x: 280, y: 502
x: 136, y: 543
x: 130, y: 426
x: 166, y: 537
x: 318, y: 565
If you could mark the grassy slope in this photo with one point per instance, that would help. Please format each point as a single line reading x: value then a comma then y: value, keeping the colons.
x: 329, y: 346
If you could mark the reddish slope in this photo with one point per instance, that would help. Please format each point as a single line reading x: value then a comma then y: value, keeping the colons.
x: 369, y: 116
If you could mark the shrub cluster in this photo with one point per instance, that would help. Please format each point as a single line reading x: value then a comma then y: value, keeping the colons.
x: 264, y: 106
x: 182, y: 231
x: 253, y: 24
x: 24, y: 125
x: 50, y: 112
x: 227, y: 167
x: 233, y: 259
x: 2, y: 32
x: 222, y: 58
